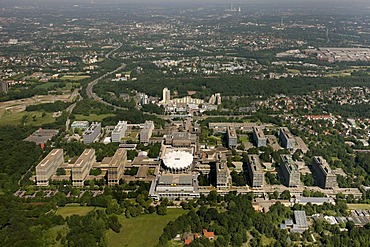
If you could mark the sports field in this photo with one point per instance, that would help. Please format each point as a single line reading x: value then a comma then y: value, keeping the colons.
x: 144, y: 230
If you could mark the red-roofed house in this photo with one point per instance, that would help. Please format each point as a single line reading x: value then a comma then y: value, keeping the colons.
x: 207, y: 234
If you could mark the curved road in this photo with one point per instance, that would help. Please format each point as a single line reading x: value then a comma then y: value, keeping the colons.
x: 90, y: 86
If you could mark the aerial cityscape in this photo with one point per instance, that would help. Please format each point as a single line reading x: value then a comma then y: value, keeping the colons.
x: 184, y: 123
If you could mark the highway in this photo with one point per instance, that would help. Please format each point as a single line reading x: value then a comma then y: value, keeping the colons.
x: 89, y: 90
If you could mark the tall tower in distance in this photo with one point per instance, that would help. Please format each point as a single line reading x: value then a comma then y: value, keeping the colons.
x: 166, y: 95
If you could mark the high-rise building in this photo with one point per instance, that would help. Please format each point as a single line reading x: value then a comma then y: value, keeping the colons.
x: 232, y: 138
x: 146, y: 132
x: 92, y: 133
x: 287, y: 139
x: 117, y: 166
x: 289, y: 169
x: 166, y: 95
x: 255, y: 171
x: 259, y: 137
x: 48, y: 166
x: 324, y: 175
x: 4, y: 87
x: 82, y: 167
x: 223, y: 175
x: 119, y: 131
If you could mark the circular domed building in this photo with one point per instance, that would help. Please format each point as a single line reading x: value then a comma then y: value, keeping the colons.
x: 177, y: 161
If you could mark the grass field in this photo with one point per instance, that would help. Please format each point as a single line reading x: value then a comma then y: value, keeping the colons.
x: 46, y: 85
x: 358, y: 206
x: 29, y: 118
x: 71, y: 210
x: 93, y: 117
x: 74, y: 77
x: 141, y: 231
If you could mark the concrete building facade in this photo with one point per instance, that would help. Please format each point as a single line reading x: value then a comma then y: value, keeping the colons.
x: 183, y: 186
x: 223, y: 176
x: 255, y: 171
x: 48, y: 166
x: 92, y: 133
x: 289, y: 171
x: 146, y: 132
x: 287, y: 139
x: 324, y: 175
x: 117, y: 166
x: 119, y: 131
x: 232, y: 139
x: 82, y: 167
x: 259, y: 137
x: 4, y: 87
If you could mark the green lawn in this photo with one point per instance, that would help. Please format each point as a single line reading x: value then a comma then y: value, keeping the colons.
x: 71, y: 210
x: 74, y: 77
x: 93, y: 117
x: 46, y: 85
x: 29, y: 118
x: 142, y: 231
x: 358, y: 206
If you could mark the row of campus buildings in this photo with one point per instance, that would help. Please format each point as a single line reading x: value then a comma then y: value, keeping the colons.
x: 287, y: 139
x: 92, y: 132
x: 289, y: 173
x: 80, y: 170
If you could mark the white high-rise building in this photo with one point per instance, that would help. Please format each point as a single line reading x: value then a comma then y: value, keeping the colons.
x: 166, y: 95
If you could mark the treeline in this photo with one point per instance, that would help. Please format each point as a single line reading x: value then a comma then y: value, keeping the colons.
x: 16, y: 155
x: 49, y: 107
x: 241, y: 85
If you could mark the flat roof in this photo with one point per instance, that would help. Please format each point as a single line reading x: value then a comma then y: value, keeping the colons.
x: 255, y: 162
x: 117, y: 157
x: 300, y: 218
x: 259, y: 132
x: 50, y: 157
x: 324, y: 165
x: 289, y: 162
x: 287, y: 132
x: 84, y: 157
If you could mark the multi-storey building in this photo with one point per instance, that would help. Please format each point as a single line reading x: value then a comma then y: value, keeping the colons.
x: 287, y: 139
x: 289, y: 170
x: 117, y: 166
x: 146, y: 132
x: 324, y: 175
x: 223, y: 175
x: 232, y: 138
x: 48, y: 166
x: 255, y: 171
x: 259, y: 137
x: 4, y: 87
x: 92, y: 133
x: 82, y: 167
x: 119, y: 131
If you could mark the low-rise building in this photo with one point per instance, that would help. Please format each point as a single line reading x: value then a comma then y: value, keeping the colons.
x: 82, y: 167
x: 172, y: 186
x: 255, y: 171
x: 117, y: 166
x: 83, y: 125
x: 324, y: 175
x: 48, y: 166
x: 289, y: 171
